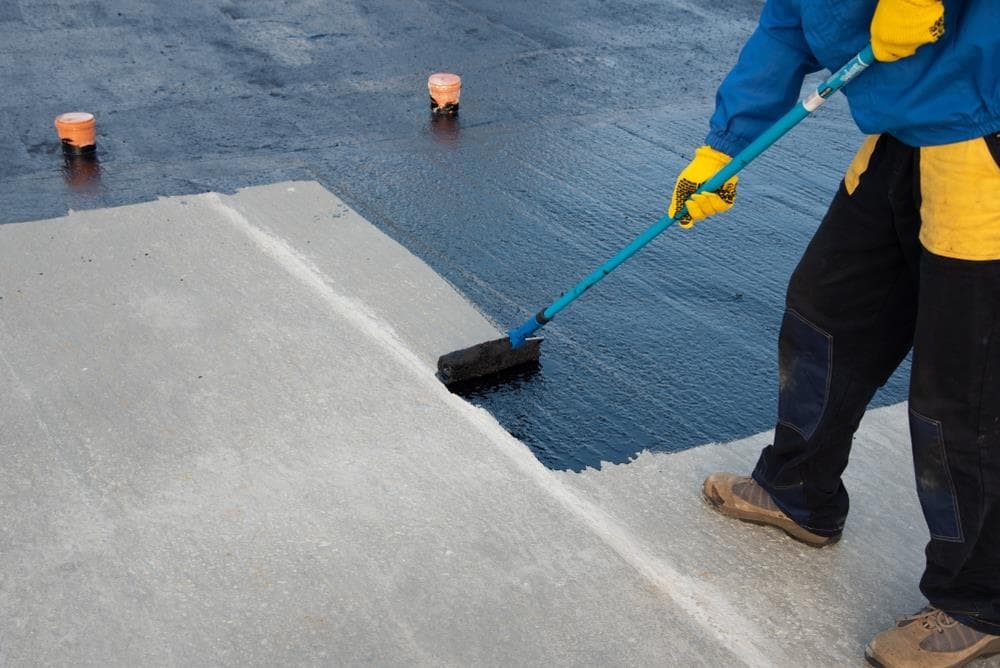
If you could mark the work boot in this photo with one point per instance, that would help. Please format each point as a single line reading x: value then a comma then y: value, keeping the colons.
x: 930, y: 639
x: 741, y: 497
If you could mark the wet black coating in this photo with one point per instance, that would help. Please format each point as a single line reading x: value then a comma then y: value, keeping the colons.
x: 74, y: 150
x: 576, y: 117
x: 450, y: 109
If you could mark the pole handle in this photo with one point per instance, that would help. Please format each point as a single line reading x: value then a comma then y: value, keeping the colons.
x: 804, y: 108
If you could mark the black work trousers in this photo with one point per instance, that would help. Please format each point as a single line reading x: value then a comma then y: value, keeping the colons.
x: 864, y: 293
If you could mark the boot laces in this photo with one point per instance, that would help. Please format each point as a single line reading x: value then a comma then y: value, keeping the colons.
x: 932, y: 619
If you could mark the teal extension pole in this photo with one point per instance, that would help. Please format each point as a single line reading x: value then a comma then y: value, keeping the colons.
x: 804, y: 108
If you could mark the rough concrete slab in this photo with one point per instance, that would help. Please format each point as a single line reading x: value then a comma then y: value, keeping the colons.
x: 819, y: 606
x: 224, y: 444
x: 217, y: 452
x: 428, y: 315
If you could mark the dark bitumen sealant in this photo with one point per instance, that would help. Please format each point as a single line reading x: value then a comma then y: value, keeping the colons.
x: 575, y: 119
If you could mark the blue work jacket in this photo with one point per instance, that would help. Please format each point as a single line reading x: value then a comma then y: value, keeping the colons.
x: 947, y: 92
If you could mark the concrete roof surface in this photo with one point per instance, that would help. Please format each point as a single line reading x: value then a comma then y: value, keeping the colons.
x: 224, y: 443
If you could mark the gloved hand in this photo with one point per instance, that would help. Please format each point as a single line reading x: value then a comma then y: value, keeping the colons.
x: 900, y: 27
x: 707, y: 162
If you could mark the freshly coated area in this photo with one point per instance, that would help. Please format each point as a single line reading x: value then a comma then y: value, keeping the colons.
x: 574, y: 121
x: 224, y: 443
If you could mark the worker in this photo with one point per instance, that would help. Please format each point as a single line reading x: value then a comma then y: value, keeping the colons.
x: 907, y: 256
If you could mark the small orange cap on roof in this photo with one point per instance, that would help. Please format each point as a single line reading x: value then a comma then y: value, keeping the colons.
x: 445, y: 89
x: 77, y: 131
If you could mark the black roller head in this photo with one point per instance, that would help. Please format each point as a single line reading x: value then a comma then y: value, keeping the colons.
x: 487, y: 359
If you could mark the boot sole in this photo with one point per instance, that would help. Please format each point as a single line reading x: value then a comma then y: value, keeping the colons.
x: 791, y: 528
x: 992, y: 649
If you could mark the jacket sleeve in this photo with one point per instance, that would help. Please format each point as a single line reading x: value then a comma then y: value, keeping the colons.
x: 766, y: 80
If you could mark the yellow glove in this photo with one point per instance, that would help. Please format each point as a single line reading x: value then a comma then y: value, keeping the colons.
x: 900, y: 27
x: 706, y: 164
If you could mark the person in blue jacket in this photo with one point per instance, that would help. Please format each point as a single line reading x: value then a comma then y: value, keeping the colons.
x: 907, y: 257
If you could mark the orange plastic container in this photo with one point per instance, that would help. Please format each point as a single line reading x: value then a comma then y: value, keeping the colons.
x: 77, y: 132
x: 445, y: 91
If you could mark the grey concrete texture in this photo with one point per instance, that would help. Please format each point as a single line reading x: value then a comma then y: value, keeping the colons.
x: 818, y: 606
x: 224, y: 444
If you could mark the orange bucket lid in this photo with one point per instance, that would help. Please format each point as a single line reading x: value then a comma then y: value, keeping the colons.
x: 77, y: 129
x: 444, y: 81
x: 445, y: 89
